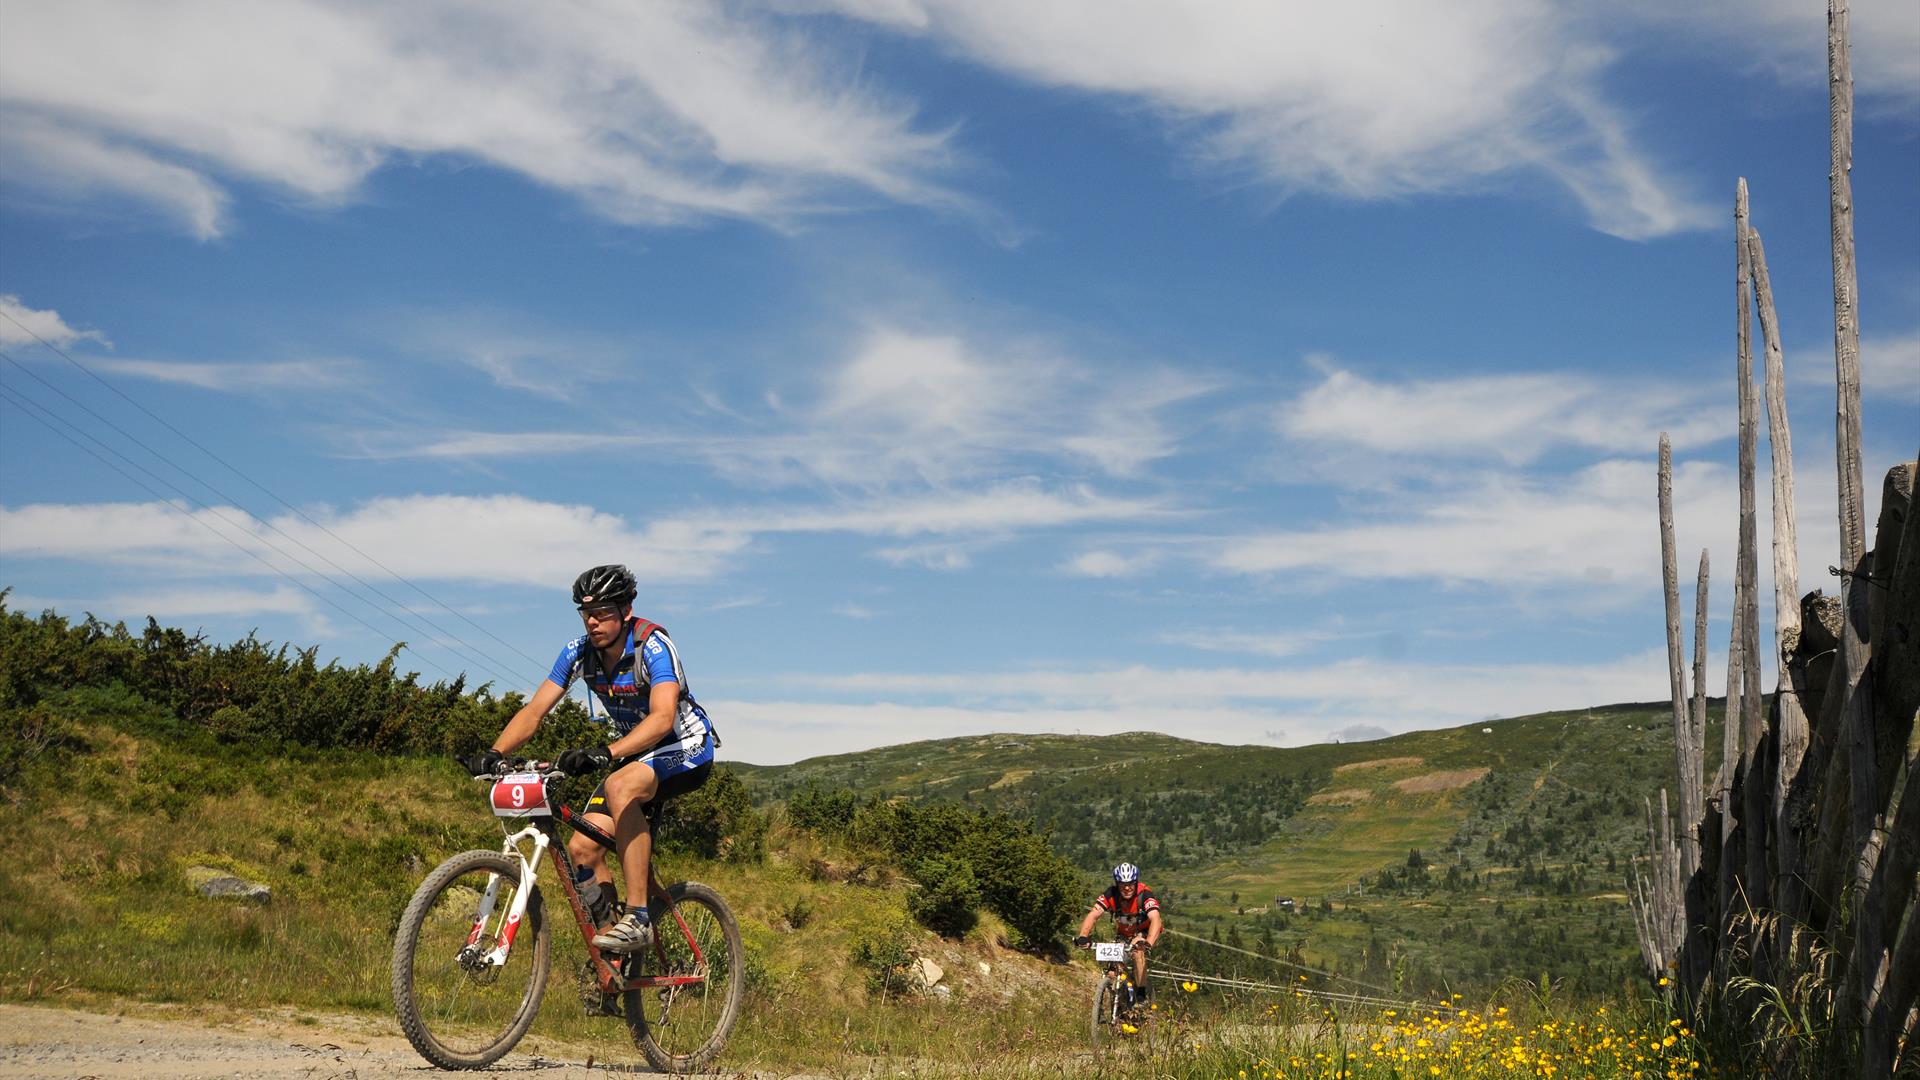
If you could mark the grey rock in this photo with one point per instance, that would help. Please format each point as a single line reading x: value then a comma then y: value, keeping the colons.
x: 220, y: 885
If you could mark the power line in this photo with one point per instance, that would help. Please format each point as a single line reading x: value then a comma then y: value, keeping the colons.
x: 28, y: 406
x: 425, y: 627
x: 1273, y: 960
x: 1303, y: 991
x: 486, y: 662
x: 89, y: 372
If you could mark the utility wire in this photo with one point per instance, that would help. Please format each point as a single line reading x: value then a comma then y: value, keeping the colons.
x: 1303, y: 991
x: 1273, y: 960
x: 90, y: 373
x: 28, y: 406
x: 434, y: 634
x: 422, y: 625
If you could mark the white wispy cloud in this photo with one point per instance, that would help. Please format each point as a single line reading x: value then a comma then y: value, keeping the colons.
x: 1014, y: 505
x: 72, y: 168
x: 217, y: 601
x: 514, y: 539
x: 1282, y: 644
x: 238, y: 377
x: 911, y: 406
x: 504, y: 539
x: 479, y: 445
x: 1890, y: 368
x: 1513, y: 418
x: 1789, y: 39
x: 1299, y: 705
x: 1363, y: 101
x: 1103, y: 563
x: 651, y: 113
x: 22, y: 325
x: 901, y: 410
x: 1597, y: 527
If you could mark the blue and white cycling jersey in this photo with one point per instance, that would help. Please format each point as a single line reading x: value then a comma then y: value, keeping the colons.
x: 627, y: 690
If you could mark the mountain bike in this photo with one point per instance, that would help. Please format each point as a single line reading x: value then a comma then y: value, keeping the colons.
x: 1112, y: 993
x: 472, y: 954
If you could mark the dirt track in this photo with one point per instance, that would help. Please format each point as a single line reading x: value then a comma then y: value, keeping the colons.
x: 145, y: 1044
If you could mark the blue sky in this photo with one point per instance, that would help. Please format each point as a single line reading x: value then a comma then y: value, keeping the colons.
x: 1248, y: 373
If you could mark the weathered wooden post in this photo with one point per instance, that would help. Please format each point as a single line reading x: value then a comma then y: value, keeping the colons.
x: 1683, y: 740
x: 1730, y: 856
x: 1754, y: 819
x: 1791, y: 734
x: 1862, y: 989
x: 1700, y: 667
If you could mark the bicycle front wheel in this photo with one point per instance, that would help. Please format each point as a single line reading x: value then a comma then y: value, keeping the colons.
x: 459, y: 1010
x: 1106, y: 1010
x: 681, y: 1022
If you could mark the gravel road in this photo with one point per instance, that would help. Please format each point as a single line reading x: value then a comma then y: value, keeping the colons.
x: 142, y: 1043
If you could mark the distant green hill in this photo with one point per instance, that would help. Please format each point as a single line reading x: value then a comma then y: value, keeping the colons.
x: 1449, y: 857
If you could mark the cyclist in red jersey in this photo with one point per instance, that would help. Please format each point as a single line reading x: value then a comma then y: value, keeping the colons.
x: 1136, y: 918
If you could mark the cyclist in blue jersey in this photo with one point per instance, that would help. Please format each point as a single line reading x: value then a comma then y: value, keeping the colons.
x: 661, y: 743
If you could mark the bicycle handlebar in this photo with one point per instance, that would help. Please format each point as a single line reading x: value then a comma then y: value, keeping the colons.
x: 510, y: 768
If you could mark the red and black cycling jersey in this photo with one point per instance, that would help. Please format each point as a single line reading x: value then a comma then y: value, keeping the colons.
x: 1129, y: 916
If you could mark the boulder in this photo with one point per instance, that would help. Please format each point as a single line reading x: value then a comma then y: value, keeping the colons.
x: 220, y: 885
x: 925, y: 972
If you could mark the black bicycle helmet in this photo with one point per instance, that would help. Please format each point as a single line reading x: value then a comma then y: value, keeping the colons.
x: 610, y: 584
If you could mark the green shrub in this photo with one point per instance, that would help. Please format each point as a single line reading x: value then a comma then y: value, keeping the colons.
x: 1035, y: 891
x: 230, y: 723
x: 947, y: 899
x: 885, y: 960
x: 798, y: 913
x: 28, y: 737
x: 829, y: 813
x: 1012, y: 868
x: 716, y: 820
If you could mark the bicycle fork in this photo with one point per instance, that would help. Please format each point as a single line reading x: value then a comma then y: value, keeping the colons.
x: 471, y: 956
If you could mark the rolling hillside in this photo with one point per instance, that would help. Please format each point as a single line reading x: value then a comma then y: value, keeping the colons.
x: 1436, y: 858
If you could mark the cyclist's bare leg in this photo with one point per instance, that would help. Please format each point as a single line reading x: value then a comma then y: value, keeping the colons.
x: 589, y: 855
x: 1137, y: 958
x: 627, y: 793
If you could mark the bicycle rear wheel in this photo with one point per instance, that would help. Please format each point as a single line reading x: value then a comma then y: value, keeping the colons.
x: 457, y: 1010
x: 680, y: 1028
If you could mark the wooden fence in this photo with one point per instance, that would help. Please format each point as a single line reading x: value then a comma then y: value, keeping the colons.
x: 1778, y: 901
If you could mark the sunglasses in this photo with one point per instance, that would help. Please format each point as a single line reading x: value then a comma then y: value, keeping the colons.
x: 599, y: 613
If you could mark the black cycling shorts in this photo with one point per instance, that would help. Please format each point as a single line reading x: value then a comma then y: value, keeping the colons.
x: 672, y: 787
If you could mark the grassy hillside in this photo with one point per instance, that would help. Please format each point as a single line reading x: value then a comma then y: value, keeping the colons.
x: 1454, y: 857
x: 96, y: 909
x: 128, y: 759
x: 96, y: 903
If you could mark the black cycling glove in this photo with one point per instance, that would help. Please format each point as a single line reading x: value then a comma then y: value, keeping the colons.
x: 1082, y: 941
x: 483, y: 762
x: 586, y: 759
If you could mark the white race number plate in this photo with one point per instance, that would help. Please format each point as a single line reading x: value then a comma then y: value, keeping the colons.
x: 521, y: 795
x: 1109, y: 952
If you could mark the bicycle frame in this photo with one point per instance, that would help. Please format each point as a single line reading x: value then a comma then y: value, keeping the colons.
x: 610, y: 978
